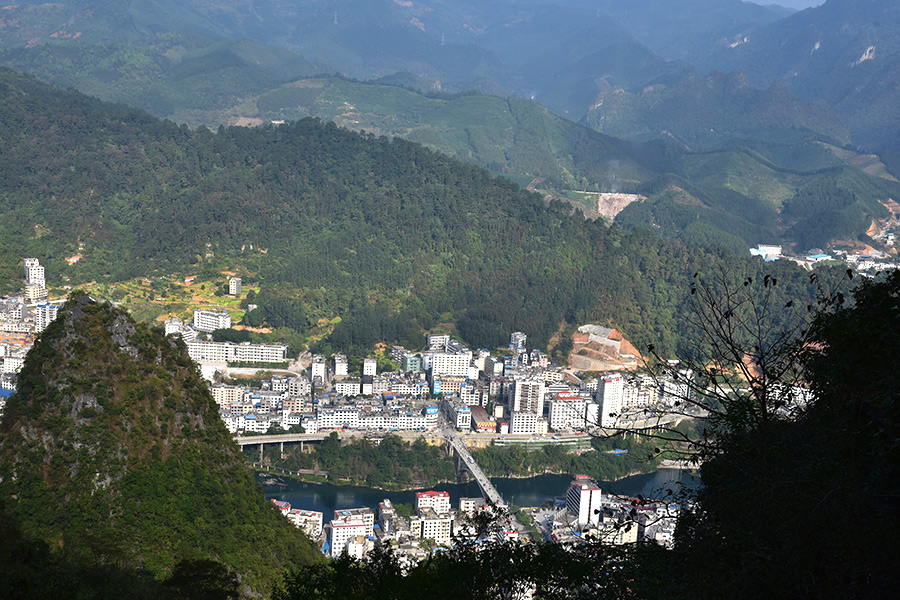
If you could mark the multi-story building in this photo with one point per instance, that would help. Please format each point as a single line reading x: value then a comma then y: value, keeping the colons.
x: 298, y: 386
x: 348, y: 387
x: 517, y: 340
x: 411, y: 363
x: 583, y: 501
x: 310, y: 521
x: 453, y: 364
x: 344, y: 529
x: 203, y: 351
x: 34, y: 273
x: 523, y: 422
x: 460, y: 416
x: 363, y: 514
x: 438, y: 342
x: 210, y: 320
x: 472, y: 505
x: 234, y: 286
x: 609, y: 396
x: 431, y: 525
x: 317, y: 370
x: 225, y: 395
x: 173, y: 325
x: 338, y: 418
x: 567, y: 411
x: 370, y: 366
x: 35, y: 293
x: 367, y: 385
x: 527, y: 396
x: 340, y: 366
x: 438, y: 501
x: 44, y: 314
x: 447, y: 384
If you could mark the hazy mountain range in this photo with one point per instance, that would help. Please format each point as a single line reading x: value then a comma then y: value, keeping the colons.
x: 700, y: 75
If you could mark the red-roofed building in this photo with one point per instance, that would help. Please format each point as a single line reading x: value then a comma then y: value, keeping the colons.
x: 437, y: 501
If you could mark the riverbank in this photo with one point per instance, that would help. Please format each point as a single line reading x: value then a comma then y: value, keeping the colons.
x: 326, y: 497
x: 413, y: 486
x: 323, y: 479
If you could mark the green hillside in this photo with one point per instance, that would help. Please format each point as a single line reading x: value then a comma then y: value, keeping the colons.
x: 384, y: 233
x: 509, y: 136
x: 741, y: 196
x: 702, y: 112
x: 113, y: 452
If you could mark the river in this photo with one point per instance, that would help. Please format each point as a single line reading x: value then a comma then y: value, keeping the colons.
x: 532, y: 491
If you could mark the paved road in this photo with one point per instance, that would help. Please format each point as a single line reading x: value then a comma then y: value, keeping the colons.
x: 487, y: 488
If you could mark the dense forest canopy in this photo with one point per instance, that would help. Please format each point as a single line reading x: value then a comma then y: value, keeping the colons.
x: 388, y: 235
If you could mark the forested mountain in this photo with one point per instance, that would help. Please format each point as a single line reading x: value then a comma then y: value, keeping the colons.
x: 382, y: 232
x: 845, y: 52
x: 112, y: 452
x: 721, y: 108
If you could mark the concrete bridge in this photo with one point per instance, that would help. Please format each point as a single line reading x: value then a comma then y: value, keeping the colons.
x: 487, y: 488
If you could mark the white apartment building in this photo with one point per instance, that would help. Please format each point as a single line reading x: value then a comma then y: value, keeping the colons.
x: 610, y: 393
x: 202, y: 351
x: 210, y: 320
x: 523, y: 422
x: 34, y: 273
x: 517, y: 340
x: 437, y: 501
x: 344, y: 529
x: 173, y: 325
x: 438, y: 342
x: 337, y: 418
x: 298, y: 386
x: 452, y: 364
x: 369, y: 366
x: 528, y: 396
x: 340, y: 366
x: 234, y: 286
x: 459, y: 416
x: 348, y: 387
x: 317, y: 369
x: 309, y: 521
x: 567, y: 411
x: 583, y: 501
x: 44, y: 314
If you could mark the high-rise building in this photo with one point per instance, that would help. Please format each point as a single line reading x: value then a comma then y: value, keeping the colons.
x: 44, y: 314
x: 340, y: 366
x: 34, y: 272
x: 317, y: 369
x: 583, y: 501
x: 528, y: 396
x: 610, y: 393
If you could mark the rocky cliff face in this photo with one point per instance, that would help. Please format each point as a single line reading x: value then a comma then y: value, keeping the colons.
x: 112, y: 451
